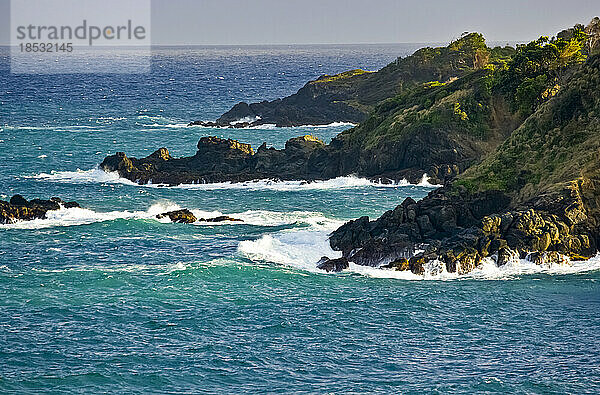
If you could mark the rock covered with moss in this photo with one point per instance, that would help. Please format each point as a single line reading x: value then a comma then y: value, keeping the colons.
x: 21, y: 209
x: 183, y: 216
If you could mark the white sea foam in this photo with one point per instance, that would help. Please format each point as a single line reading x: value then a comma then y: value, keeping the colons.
x: 348, y: 182
x: 82, y: 216
x: 271, y: 126
x: 314, y: 220
x: 245, y: 120
x: 168, y: 125
x: 83, y: 177
x: 302, y: 249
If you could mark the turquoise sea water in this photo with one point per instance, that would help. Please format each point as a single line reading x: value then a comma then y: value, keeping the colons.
x: 109, y: 299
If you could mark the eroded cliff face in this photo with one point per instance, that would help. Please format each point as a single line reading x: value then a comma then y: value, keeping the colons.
x: 537, y: 196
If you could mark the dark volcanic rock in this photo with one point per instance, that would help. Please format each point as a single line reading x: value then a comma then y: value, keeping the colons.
x: 20, y: 209
x: 333, y: 265
x: 219, y: 160
x: 184, y: 216
x: 221, y: 218
x: 461, y: 230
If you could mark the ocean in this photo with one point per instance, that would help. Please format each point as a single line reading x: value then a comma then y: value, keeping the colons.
x: 107, y: 298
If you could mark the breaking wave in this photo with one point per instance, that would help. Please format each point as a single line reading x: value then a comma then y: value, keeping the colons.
x: 347, y: 182
x: 82, y: 177
x: 83, y: 216
x: 302, y: 249
x: 271, y: 126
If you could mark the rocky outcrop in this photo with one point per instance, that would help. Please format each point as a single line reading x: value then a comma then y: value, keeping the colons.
x: 21, y: 209
x: 219, y: 160
x: 184, y: 216
x: 536, y: 197
x: 350, y: 96
x: 333, y: 265
x: 459, y: 230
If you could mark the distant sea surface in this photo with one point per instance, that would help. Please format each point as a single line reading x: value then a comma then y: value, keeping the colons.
x: 109, y: 299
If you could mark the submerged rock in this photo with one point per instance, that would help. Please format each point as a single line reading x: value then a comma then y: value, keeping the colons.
x: 184, y: 216
x: 333, y: 265
x: 221, y: 218
x: 20, y: 209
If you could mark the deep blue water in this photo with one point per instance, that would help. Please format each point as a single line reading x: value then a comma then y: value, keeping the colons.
x: 109, y: 299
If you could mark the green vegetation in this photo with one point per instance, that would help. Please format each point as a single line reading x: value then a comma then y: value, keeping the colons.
x: 341, y: 76
x: 539, y: 68
x: 559, y: 143
x: 480, y: 97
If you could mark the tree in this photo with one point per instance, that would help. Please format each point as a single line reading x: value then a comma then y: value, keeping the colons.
x: 593, y: 32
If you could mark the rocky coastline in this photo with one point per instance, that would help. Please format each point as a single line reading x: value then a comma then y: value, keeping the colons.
x: 431, y: 113
x: 351, y: 96
x: 536, y: 197
x: 513, y: 135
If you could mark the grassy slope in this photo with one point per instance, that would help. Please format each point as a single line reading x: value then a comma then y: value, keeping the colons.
x: 367, y: 89
x: 464, y: 112
x: 559, y: 143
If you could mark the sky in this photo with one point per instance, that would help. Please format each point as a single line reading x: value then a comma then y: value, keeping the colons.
x: 247, y: 22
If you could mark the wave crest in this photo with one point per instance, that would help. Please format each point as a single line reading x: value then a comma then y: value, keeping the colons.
x: 301, y: 249
x: 97, y: 175
x: 83, y: 216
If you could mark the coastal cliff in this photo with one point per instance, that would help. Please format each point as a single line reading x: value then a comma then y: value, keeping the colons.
x: 515, y: 143
x: 350, y: 96
x: 537, y: 196
x: 439, y: 128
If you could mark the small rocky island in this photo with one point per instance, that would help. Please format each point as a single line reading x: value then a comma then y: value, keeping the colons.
x: 185, y: 216
x: 21, y: 209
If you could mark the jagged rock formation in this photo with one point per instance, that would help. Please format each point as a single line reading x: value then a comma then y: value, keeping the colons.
x: 183, y: 216
x: 220, y: 160
x: 536, y: 196
x: 20, y: 209
x: 333, y: 265
x: 350, y: 96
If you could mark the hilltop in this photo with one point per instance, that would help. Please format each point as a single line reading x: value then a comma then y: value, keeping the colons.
x: 350, y: 96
